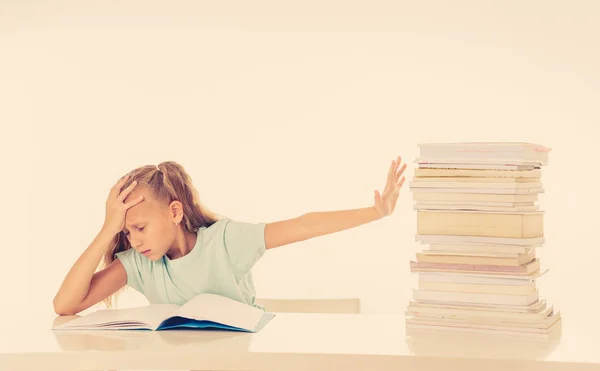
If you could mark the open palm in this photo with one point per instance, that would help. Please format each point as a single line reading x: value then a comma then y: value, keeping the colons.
x: 385, y: 202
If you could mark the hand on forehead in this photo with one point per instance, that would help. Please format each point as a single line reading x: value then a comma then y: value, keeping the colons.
x: 148, y: 205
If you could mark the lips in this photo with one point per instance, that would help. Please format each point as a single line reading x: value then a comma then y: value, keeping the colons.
x: 146, y: 252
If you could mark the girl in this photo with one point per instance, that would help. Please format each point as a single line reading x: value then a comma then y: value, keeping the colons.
x: 158, y: 238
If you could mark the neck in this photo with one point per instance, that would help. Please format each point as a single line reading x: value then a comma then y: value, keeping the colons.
x: 183, y: 244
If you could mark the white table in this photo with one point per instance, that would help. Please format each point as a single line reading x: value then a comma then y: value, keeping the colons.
x: 295, y: 342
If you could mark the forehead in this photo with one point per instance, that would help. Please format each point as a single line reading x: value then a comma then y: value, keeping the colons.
x: 146, y: 209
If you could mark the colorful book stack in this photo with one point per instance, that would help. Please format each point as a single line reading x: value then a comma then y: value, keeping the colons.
x: 479, y: 223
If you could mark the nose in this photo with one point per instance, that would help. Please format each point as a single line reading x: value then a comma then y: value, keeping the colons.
x: 136, y: 244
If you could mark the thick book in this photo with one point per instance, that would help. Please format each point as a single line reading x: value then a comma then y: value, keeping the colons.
x: 538, y: 311
x: 204, y: 311
x: 525, y: 269
x: 475, y: 288
x: 544, y: 319
x: 508, y: 152
x: 477, y: 240
x: 482, y: 224
x: 515, y: 261
x: 477, y: 298
x: 540, y: 327
x: 474, y: 198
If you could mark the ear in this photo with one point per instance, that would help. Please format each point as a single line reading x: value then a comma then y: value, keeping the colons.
x: 176, y: 209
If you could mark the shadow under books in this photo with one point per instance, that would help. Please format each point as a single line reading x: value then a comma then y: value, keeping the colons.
x: 438, y: 343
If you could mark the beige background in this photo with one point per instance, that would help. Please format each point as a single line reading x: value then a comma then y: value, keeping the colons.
x: 281, y: 109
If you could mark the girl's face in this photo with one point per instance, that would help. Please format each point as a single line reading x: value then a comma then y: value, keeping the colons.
x: 149, y: 226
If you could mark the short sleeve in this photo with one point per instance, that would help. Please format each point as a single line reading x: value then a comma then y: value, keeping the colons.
x: 244, y: 243
x: 129, y: 258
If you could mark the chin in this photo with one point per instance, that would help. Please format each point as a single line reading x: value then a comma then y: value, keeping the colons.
x: 154, y: 257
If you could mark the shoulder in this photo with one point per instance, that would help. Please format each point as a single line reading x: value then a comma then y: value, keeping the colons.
x: 242, y: 243
x: 229, y: 225
x: 215, y: 231
x: 130, y: 258
x: 230, y: 232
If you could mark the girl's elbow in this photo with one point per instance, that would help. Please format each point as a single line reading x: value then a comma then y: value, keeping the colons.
x: 63, y: 310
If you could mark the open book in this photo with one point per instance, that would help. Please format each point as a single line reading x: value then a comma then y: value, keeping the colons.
x: 204, y: 311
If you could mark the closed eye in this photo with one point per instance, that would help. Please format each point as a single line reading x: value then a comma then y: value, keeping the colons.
x: 138, y: 228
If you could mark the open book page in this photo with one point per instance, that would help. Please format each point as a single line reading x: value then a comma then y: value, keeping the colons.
x: 147, y: 317
x: 215, y: 308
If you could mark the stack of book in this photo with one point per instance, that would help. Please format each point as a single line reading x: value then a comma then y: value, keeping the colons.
x: 479, y: 223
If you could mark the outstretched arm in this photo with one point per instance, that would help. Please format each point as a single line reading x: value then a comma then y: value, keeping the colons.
x: 316, y: 224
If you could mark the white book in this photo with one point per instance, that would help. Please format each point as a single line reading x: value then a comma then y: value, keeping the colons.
x: 438, y: 239
x: 474, y: 203
x: 204, y: 311
x: 412, y: 328
x: 478, y: 161
x: 490, y: 151
x: 475, y: 280
x: 480, y: 211
x: 455, y: 275
x: 490, y: 254
x: 423, y: 173
x: 467, y: 166
x: 535, y: 328
x: 474, y: 198
x: 535, y: 307
x: 469, y: 320
x: 476, y: 179
x: 477, y: 298
x: 475, y: 249
x: 483, y: 185
x: 498, y: 191
x: 507, y: 209
x: 477, y: 288
x: 414, y: 309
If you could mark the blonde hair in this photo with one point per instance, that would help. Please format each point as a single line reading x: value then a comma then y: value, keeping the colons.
x: 166, y: 182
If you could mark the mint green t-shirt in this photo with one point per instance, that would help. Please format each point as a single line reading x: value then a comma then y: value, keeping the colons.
x: 220, y: 263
